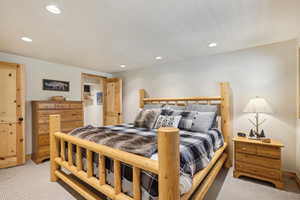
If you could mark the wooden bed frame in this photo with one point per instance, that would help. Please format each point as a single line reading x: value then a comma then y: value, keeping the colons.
x: 166, y: 167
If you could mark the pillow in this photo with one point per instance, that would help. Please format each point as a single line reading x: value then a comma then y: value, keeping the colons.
x: 204, y: 108
x: 202, y: 121
x: 167, y: 121
x: 174, y: 107
x: 153, y: 106
x: 146, y: 118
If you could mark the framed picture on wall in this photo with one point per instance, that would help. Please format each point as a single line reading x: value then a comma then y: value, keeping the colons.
x: 99, y: 98
x: 54, y: 85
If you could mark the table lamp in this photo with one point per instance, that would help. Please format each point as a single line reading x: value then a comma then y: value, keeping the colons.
x: 258, y: 105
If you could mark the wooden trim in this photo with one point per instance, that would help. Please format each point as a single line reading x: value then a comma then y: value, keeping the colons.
x: 28, y: 157
x: 297, y: 179
x: 77, y: 186
x: 198, y: 178
x: 209, y: 179
x: 54, y: 126
x: 133, y: 159
x: 292, y: 175
x: 20, y: 126
x: 226, y: 121
x: 168, y: 152
x: 183, y: 99
x: 141, y: 97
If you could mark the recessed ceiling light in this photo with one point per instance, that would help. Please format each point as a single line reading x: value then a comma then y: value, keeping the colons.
x: 53, y: 9
x: 26, y: 39
x: 212, y: 44
x: 158, y: 57
x: 122, y: 66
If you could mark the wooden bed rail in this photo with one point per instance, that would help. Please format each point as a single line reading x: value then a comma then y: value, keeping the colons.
x: 66, y: 152
x: 168, y: 152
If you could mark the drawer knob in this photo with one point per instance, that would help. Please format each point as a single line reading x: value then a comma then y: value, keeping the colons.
x: 244, y: 148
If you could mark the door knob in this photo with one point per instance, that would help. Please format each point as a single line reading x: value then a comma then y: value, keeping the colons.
x: 21, y: 119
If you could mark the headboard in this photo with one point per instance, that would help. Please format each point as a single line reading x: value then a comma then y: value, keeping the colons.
x: 223, y: 100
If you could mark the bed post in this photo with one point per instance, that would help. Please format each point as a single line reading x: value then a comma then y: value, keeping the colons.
x: 142, y: 96
x: 226, y: 121
x: 169, y: 163
x: 54, y: 126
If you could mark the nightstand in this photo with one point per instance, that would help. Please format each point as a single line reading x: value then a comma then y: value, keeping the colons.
x: 259, y: 160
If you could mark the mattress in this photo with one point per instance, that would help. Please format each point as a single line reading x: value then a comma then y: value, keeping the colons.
x: 196, y: 151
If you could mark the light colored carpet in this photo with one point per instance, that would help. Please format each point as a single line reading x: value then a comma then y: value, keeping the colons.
x: 31, y: 182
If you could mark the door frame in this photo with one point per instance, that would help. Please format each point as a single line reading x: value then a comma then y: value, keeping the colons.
x: 102, y: 80
x: 20, y: 116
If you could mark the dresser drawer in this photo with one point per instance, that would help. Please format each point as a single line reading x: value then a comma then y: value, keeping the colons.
x: 258, y: 160
x: 260, y: 171
x: 245, y: 148
x: 72, y: 115
x: 69, y: 126
x: 44, y: 140
x: 44, y: 151
x: 76, y: 105
x: 62, y: 106
x: 66, y: 115
x: 269, y: 151
x: 45, y: 106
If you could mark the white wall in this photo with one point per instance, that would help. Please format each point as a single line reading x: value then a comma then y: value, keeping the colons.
x: 267, y: 71
x: 35, y: 71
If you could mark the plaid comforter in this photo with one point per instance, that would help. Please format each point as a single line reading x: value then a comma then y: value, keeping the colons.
x: 196, y: 150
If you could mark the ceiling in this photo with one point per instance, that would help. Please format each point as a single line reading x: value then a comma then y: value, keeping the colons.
x: 103, y: 34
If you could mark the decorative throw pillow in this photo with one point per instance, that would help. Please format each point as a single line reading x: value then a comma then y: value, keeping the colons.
x: 174, y: 107
x: 202, y: 121
x: 167, y: 121
x: 205, y: 108
x: 153, y: 106
x: 146, y: 118
x: 202, y: 108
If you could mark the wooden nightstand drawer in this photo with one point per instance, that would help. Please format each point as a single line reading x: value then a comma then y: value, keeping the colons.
x: 260, y: 171
x: 268, y: 151
x: 258, y: 160
x: 245, y: 148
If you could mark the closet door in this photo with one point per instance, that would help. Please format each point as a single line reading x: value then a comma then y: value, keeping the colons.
x: 11, y: 115
x: 113, y: 108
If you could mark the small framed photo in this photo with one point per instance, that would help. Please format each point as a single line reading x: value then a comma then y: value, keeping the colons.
x: 99, y: 98
x: 54, y: 85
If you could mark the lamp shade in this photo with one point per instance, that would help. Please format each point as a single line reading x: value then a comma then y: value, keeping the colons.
x: 258, y: 105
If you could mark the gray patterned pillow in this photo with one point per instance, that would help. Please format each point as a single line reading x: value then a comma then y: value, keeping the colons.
x: 202, y: 108
x: 153, y: 106
x: 202, y: 121
x: 174, y: 107
x: 167, y: 121
x: 146, y: 118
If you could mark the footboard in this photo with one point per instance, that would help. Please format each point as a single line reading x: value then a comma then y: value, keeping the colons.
x: 167, y: 166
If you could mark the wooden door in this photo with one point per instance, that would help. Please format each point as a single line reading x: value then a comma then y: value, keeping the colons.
x: 113, y: 101
x: 12, y: 148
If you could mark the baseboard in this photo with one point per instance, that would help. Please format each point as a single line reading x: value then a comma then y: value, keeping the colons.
x: 297, y: 179
x: 292, y: 175
x: 28, y: 157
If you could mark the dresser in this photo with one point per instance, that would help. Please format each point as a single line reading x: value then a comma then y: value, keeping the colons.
x: 259, y: 160
x: 71, y: 117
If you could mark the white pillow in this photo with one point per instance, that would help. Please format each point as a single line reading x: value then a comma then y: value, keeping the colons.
x: 167, y: 121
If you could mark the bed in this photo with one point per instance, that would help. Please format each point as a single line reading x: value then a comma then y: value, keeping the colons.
x: 89, y: 161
